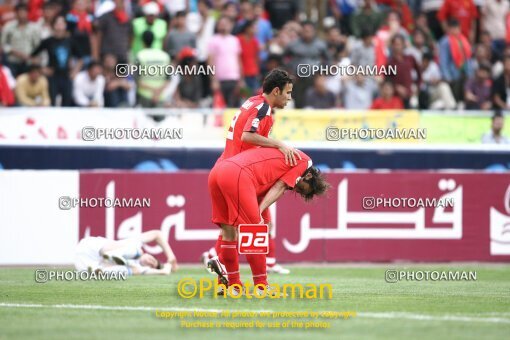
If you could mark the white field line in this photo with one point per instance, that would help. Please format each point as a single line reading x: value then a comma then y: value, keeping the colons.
x: 494, y: 317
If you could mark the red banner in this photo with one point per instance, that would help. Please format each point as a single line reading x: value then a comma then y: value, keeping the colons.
x: 415, y: 216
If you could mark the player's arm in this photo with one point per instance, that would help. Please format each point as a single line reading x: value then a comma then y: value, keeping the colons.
x: 276, y: 191
x: 157, y: 236
x: 256, y: 139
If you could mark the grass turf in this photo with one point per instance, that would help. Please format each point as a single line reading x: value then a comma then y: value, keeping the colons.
x: 406, y: 309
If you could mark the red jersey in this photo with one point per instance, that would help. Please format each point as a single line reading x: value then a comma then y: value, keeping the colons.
x: 463, y: 10
x: 265, y: 166
x: 382, y: 104
x: 254, y: 116
x: 249, y: 56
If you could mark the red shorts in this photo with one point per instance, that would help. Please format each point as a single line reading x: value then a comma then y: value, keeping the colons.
x: 233, y: 195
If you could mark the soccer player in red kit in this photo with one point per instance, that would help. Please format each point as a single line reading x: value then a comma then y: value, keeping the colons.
x: 249, y: 129
x: 244, y: 185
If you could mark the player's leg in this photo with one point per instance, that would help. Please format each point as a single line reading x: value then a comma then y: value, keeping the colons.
x: 249, y: 213
x: 223, y: 193
x: 213, y: 192
x: 87, y: 257
x: 122, y: 250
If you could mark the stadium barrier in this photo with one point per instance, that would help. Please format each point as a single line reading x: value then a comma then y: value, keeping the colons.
x: 367, y: 216
x: 63, y: 126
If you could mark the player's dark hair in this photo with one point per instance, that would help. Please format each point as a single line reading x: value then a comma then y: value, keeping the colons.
x: 276, y: 78
x: 317, y: 183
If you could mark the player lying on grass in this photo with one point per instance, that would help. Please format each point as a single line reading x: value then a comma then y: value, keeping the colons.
x: 243, y: 186
x: 99, y: 253
x: 249, y: 129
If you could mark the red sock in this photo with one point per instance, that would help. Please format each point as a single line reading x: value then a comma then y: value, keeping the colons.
x: 271, y: 259
x: 230, y: 259
x: 258, y: 268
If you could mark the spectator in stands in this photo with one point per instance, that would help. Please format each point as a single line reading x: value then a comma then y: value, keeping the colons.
x: 149, y: 22
x: 454, y: 55
x: 478, y: 90
x: 203, y: 32
x: 273, y: 61
x: 481, y: 55
x: 464, y: 12
x: 179, y: 37
x: 188, y: 91
x: 343, y: 10
x: 430, y: 9
x: 151, y: 87
x: 284, y: 37
x: 34, y: 9
x: 44, y: 24
x: 405, y: 85
x: 392, y: 26
x: 61, y: 51
x: 88, y: 86
x: 335, y: 41
x: 250, y: 55
x: 310, y: 50
x: 434, y: 92
x: 281, y: 11
x: 246, y: 13
x: 264, y: 32
x: 113, y: 30
x: 116, y: 88
x: 19, y: 38
x: 363, y: 52
x: 79, y: 24
x: 225, y: 55
x: 494, y: 15
x: 404, y: 12
x: 32, y: 88
x: 422, y: 24
x: 319, y: 97
x: 367, y: 17
x: 7, y: 12
x: 500, y: 87
x: 7, y: 85
x: 419, y: 46
x: 387, y: 99
x: 359, y: 93
x: 230, y: 11
x: 495, y: 136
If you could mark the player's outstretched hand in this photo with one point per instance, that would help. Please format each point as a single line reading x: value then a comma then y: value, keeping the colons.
x: 290, y: 154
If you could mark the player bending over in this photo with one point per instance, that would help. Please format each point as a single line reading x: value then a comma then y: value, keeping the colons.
x: 243, y: 186
x: 249, y: 129
x: 101, y: 254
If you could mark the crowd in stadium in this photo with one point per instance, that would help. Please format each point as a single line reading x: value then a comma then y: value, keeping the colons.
x: 449, y: 54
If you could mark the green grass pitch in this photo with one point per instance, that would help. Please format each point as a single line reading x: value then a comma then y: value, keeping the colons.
x: 127, y: 309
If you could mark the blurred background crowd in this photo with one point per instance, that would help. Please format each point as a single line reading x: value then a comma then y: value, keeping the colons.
x: 449, y: 54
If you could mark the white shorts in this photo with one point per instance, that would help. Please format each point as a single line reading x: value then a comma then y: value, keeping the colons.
x: 87, y: 253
